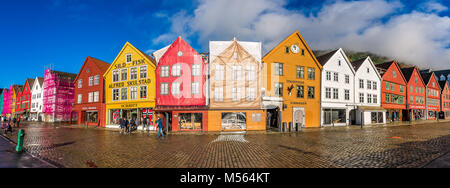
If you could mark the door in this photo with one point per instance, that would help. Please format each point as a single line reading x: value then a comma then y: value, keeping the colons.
x: 299, y: 117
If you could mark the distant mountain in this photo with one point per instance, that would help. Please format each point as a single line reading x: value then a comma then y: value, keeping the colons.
x: 353, y: 56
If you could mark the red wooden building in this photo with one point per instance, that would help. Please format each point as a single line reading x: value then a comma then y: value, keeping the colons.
x: 181, y: 87
x: 433, y: 95
x: 445, y: 98
x: 393, y: 90
x: 89, y: 90
x: 415, y: 91
x: 18, y: 101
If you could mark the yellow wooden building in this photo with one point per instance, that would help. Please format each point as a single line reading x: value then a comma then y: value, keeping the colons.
x: 291, y: 82
x: 129, y: 86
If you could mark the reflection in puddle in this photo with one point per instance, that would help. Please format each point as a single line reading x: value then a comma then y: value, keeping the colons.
x: 230, y: 138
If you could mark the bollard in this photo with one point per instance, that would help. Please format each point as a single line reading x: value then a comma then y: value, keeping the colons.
x: 20, y: 137
x: 290, y: 127
x: 284, y: 127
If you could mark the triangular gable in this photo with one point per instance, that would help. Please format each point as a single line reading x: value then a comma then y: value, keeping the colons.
x: 416, y: 70
x: 95, y: 62
x: 435, y: 79
x: 372, y: 65
x: 180, y: 45
x: 340, y: 51
x: 388, y: 65
x: 295, y: 34
x: 243, y: 56
x: 127, y: 44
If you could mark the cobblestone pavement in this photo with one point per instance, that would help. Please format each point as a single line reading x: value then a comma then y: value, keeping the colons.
x: 371, y: 147
x: 9, y: 158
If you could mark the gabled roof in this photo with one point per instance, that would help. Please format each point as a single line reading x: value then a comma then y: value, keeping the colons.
x: 356, y: 64
x: 385, y: 67
x: 17, y: 88
x: 297, y: 34
x: 443, y: 83
x: 64, y: 74
x: 323, y: 59
x: 426, y: 77
x: 101, y: 65
x: 159, y: 53
x: 41, y: 81
x: 30, y: 83
x: 408, y: 72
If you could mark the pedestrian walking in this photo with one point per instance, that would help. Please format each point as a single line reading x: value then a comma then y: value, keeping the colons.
x: 160, y: 128
x: 127, y: 125
x: 122, y: 125
x: 18, y: 122
x: 14, y: 121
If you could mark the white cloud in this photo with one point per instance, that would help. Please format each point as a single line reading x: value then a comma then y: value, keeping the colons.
x: 421, y: 37
x: 432, y: 6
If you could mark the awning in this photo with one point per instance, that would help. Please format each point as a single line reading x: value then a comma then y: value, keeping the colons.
x: 371, y: 108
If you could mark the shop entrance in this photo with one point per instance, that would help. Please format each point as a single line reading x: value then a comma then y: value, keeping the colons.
x: 299, y: 117
x: 273, y: 118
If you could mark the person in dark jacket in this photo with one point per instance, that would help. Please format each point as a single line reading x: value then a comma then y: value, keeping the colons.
x: 14, y: 121
x: 160, y: 127
x: 122, y: 125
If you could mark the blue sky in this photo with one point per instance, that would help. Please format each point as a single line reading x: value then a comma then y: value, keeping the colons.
x: 38, y: 33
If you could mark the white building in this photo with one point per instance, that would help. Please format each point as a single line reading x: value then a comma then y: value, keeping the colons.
x: 367, y: 94
x: 37, y: 100
x: 337, y: 99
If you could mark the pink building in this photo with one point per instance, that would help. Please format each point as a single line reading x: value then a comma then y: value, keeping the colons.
x: 7, y: 102
x: 59, y: 92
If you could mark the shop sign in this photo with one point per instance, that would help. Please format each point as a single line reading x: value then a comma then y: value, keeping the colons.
x: 132, y: 64
x: 298, y: 103
x: 89, y: 108
x: 129, y: 105
x: 131, y: 83
x: 295, y: 82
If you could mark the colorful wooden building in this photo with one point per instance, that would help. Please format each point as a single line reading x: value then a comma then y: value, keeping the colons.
x: 6, y: 111
x: 235, y: 86
x: 130, y: 86
x: 181, y: 87
x: 445, y: 99
x: 89, y: 93
x: 37, y: 100
x: 16, y: 90
x: 2, y: 93
x: 58, y: 96
x: 433, y: 95
x: 23, y: 103
x: 415, y: 92
x: 393, y: 90
x: 292, y: 85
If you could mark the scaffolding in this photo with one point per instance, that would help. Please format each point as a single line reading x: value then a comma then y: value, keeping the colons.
x: 59, y: 92
x: 7, y: 101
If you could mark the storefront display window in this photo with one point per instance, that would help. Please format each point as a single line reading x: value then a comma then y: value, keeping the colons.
x: 234, y: 121
x: 190, y: 121
x: 333, y: 116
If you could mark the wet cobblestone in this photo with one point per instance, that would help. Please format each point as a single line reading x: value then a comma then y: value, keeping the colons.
x: 371, y: 147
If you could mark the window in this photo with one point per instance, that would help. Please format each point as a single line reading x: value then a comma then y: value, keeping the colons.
x: 164, y: 71
x: 328, y: 76
x: 129, y: 58
x: 303, y: 52
x: 339, y: 62
x: 218, y: 94
x: 392, y: 87
x: 387, y: 85
x: 300, y: 72
x: 374, y: 85
x: 251, y: 94
x: 278, y: 69
x: 176, y: 88
x: 124, y: 73
x: 401, y: 89
x: 91, y: 80
x: 124, y: 94
x: 369, y: 98
x: 287, y: 49
x: 347, y: 79
x: 176, y: 70
x: 143, y: 72
x: 164, y: 88
x: 311, y: 73
x: 196, y: 69
x: 80, y: 98
x: 237, y: 71
x: 134, y: 93
x: 394, y: 74
x: 336, y: 77
x: 236, y: 94
x: 91, y: 97
x: 335, y: 93
x: 361, y: 97
x: 411, y: 99
x: 361, y: 84
x: 195, y: 88
x: 143, y: 92
x: 411, y: 89
x: 368, y: 70
x: 115, y: 94
x: 311, y: 92
x: 80, y: 83
x: 347, y: 94
x: 115, y: 76
x: 279, y: 89
x: 220, y: 73
x: 251, y: 72
x: 416, y: 79
x: 375, y: 99
x: 300, y: 92
x: 97, y: 80
x: 369, y: 84
x: 96, y: 96
x: 328, y: 93
x: 133, y: 73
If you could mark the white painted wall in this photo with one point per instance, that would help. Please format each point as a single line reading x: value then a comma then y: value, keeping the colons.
x: 37, y: 98
x: 366, y: 72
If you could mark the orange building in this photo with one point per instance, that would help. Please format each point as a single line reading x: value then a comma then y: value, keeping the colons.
x: 292, y: 84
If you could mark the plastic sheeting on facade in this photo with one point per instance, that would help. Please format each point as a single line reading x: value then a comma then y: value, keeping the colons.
x: 59, y: 92
x: 235, y: 81
x: 7, y: 101
x: 181, y: 76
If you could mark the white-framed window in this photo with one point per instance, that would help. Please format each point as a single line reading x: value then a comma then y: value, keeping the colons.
x: 347, y: 94
x: 115, y: 76
x: 278, y: 69
x: 96, y: 96
x: 369, y: 98
x: 335, y: 93
x: 220, y: 73
x: 176, y: 70
x: 143, y: 92
x: 91, y: 97
x: 361, y: 97
x: 251, y: 72
x: 91, y: 80
x: 251, y: 94
x: 218, y: 94
x: 164, y: 71
x: 80, y: 98
x: 134, y: 93
x: 164, y: 89
x: 237, y: 72
x: 124, y: 94
x: 347, y: 79
x: 374, y: 85
x: 336, y: 77
x: 124, y: 74
x: 328, y: 76
x: 236, y: 94
x: 195, y: 88
x: 96, y: 79
x: 369, y: 84
x: 375, y: 99
x: 133, y: 73
x: 143, y: 72
x: 361, y: 84
x: 176, y: 90
x: 196, y: 70
x: 328, y: 93
x: 129, y: 58
x: 80, y: 83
